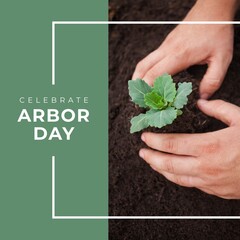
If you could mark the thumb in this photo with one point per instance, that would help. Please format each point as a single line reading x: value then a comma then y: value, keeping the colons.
x: 213, y: 78
x: 169, y: 64
x: 224, y: 111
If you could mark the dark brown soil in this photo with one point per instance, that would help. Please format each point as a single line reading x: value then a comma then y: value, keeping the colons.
x: 174, y: 229
x: 135, y: 189
x: 147, y: 10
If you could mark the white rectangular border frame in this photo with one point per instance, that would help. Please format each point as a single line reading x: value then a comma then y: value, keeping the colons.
x: 53, y: 82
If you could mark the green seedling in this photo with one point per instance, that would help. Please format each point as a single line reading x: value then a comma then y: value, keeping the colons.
x: 162, y: 101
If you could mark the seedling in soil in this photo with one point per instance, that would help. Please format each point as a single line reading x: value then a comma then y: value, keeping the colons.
x: 163, y: 101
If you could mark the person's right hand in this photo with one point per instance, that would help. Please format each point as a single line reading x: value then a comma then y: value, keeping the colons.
x: 189, y: 45
x: 208, y: 161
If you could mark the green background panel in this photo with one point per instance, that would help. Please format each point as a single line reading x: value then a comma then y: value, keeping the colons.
x: 80, y: 50
x: 25, y: 164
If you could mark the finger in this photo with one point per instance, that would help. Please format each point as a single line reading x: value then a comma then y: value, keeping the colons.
x: 170, y: 64
x: 170, y: 163
x: 145, y: 64
x: 216, y: 193
x: 182, y: 180
x: 213, y: 78
x: 224, y: 111
x: 206, y: 190
x: 180, y: 144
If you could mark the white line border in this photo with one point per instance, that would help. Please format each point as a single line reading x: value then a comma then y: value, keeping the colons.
x: 145, y: 22
x: 54, y: 216
x: 54, y: 23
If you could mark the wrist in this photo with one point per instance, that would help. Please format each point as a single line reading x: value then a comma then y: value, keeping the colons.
x: 213, y: 10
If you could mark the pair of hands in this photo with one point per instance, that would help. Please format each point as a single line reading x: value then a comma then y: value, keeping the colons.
x: 207, y: 161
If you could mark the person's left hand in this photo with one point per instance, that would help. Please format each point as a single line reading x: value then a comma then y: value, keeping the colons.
x: 208, y: 161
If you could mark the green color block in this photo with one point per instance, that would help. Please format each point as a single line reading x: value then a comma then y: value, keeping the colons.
x: 82, y: 162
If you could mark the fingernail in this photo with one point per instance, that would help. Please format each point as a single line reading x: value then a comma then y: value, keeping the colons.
x: 141, y: 153
x: 204, y: 96
x: 143, y: 137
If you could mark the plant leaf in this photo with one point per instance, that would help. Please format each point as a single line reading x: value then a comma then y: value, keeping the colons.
x: 139, y: 122
x: 163, y: 100
x: 179, y: 112
x: 154, y: 100
x: 164, y: 86
x: 184, y: 89
x: 161, y: 118
x: 137, y: 90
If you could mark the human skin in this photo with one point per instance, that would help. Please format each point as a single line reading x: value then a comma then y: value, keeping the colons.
x: 189, y: 45
x: 207, y: 161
